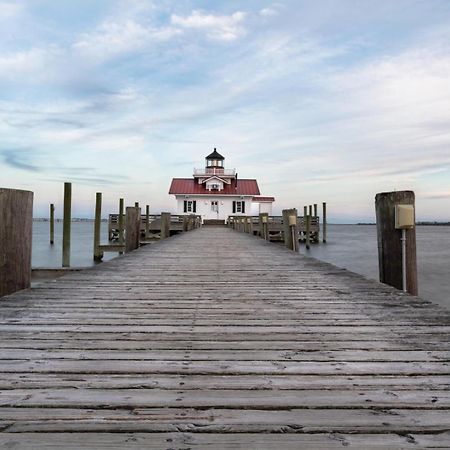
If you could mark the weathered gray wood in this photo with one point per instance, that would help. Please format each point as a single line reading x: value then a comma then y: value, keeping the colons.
x: 324, y: 222
x: 52, y: 223
x: 98, y: 254
x: 67, y: 223
x: 290, y: 230
x: 121, y: 239
x: 165, y: 225
x: 308, y: 231
x: 147, y: 221
x: 16, y: 221
x: 264, y: 226
x: 132, y: 228
x: 389, y: 242
x: 214, y: 338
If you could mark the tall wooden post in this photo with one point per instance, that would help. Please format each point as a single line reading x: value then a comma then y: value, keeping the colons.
x: 136, y: 204
x: 307, y: 231
x: 310, y: 210
x: 98, y: 254
x: 147, y: 221
x: 324, y: 222
x: 250, y: 225
x: 264, y: 226
x: 16, y: 230
x: 52, y: 223
x: 185, y: 224
x: 67, y: 222
x: 132, y: 228
x: 315, y: 209
x: 290, y: 229
x: 165, y: 225
x: 390, y: 242
x: 120, y: 223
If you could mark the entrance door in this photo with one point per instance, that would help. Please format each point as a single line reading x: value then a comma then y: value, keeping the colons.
x: 215, y: 207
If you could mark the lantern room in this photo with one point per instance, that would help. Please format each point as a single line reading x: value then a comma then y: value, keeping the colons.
x: 214, y: 160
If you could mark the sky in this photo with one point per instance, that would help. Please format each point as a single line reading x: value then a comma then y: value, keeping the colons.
x: 331, y: 100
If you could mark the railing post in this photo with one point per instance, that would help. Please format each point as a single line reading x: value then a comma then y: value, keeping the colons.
x: 98, y: 254
x: 264, y: 226
x: 165, y: 225
x: 290, y: 229
x: 120, y: 223
x: 67, y: 222
x: 16, y: 230
x: 52, y: 223
x: 397, y: 240
x: 324, y: 222
x: 308, y: 231
x: 250, y: 225
x: 185, y: 223
x: 147, y: 221
x: 132, y: 228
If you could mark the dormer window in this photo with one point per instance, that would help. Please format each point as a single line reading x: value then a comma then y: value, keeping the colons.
x: 215, y: 186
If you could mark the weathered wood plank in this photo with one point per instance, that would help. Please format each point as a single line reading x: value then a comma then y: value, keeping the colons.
x: 208, y: 344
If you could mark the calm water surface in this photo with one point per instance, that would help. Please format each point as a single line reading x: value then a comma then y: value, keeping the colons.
x: 351, y: 246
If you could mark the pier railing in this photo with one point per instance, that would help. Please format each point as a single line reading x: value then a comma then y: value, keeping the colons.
x: 273, y: 227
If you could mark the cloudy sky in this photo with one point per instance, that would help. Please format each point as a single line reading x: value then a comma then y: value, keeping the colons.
x: 320, y: 101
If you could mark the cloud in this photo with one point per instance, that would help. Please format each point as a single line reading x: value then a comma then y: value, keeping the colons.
x: 34, y: 64
x: 112, y: 38
x: 267, y: 12
x: 218, y: 27
x: 19, y: 159
x: 9, y: 10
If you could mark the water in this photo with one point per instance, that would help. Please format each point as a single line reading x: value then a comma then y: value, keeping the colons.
x: 355, y: 248
x: 81, y: 248
x: 351, y: 246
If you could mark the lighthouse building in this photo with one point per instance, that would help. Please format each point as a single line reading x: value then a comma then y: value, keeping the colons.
x: 215, y: 192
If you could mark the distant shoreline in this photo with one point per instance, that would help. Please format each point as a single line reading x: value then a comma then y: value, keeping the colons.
x: 433, y: 224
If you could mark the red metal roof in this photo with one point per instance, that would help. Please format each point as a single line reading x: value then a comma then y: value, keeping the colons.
x: 263, y: 199
x: 189, y: 186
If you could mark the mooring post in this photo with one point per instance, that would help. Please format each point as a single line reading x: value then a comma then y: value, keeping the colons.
x: 120, y: 223
x: 136, y: 204
x: 98, y: 254
x: 165, y: 225
x: 52, y: 223
x: 324, y: 222
x: 310, y: 210
x: 250, y: 225
x: 290, y: 230
x: 308, y: 231
x: 264, y: 226
x: 67, y: 221
x: 185, y: 223
x: 396, y: 220
x: 16, y: 230
x: 315, y: 209
x: 147, y: 221
x: 132, y: 228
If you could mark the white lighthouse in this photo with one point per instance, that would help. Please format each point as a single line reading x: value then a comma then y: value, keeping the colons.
x: 216, y: 193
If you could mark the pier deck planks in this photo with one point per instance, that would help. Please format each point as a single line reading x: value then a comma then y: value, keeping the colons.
x: 217, y: 339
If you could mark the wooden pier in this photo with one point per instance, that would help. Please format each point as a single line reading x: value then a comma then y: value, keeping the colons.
x: 219, y: 339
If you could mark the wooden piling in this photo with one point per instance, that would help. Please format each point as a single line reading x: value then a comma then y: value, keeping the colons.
x: 136, y: 204
x: 307, y: 231
x: 120, y: 224
x: 185, y: 223
x: 147, y: 221
x: 324, y: 222
x: 67, y: 223
x: 310, y: 210
x: 165, y: 225
x: 98, y: 254
x: 16, y: 230
x: 250, y: 225
x: 132, y: 228
x: 315, y: 209
x: 264, y: 226
x: 390, y: 244
x: 52, y: 223
x: 290, y: 229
